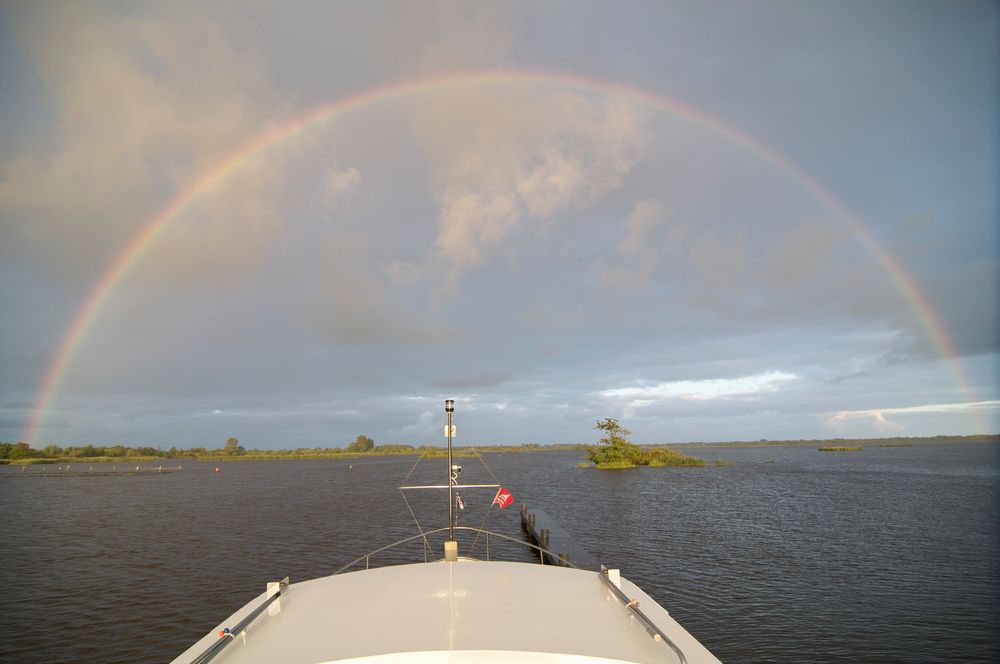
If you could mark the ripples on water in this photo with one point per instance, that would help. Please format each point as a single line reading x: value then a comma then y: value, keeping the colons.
x: 789, y: 555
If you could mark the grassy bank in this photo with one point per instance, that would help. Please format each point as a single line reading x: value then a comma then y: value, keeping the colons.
x: 86, y: 460
x: 620, y: 452
x: 613, y: 465
x: 254, y: 456
x: 659, y: 457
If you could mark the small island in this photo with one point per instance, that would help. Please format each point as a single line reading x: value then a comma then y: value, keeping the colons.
x: 842, y: 448
x: 616, y: 451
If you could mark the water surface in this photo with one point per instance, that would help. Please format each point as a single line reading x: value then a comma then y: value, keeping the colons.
x: 788, y: 555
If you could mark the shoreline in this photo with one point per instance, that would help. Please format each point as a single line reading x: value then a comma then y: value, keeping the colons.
x: 473, y: 450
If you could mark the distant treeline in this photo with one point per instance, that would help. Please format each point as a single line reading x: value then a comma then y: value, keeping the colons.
x: 850, y: 442
x: 363, y: 446
x: 24, y: 453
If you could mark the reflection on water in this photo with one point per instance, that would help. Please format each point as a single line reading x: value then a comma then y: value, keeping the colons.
x: 788, y: 555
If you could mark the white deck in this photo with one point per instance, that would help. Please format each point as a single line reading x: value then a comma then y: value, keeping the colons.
x: 450, y: 612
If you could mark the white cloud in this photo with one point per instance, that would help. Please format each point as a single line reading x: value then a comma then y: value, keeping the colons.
x: 472, y: 221
x: 631, y: 398
x: 402, y: 272
x: 425, y: 424
x: 650, y: 238
x: 502, y: 156
x: 342, y: 182
x: 877, y: 416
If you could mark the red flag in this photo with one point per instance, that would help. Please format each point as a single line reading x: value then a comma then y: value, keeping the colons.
x: 503, y: 498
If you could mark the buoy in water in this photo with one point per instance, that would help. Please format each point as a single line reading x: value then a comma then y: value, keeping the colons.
x: 216, y: 469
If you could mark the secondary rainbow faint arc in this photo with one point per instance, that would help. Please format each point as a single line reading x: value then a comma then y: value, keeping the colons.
x: 273, y: 137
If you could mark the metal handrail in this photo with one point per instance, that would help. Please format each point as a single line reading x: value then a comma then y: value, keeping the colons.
x: 633, y: 606
x: 488, y: 533
x: 227, y: 635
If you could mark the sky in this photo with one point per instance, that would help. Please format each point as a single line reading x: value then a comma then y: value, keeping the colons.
x: 298, y: 222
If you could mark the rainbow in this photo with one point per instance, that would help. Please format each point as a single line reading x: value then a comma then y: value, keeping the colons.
x: 276, y: 136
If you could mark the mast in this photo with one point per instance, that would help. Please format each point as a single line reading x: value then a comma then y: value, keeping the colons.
x: 451, y: 546
x: 449, y: 409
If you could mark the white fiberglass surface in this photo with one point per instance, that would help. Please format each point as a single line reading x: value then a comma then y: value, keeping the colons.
x: 480, y: 657
x: 540, y: 613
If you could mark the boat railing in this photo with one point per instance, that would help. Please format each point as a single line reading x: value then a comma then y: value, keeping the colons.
x: 633, y: 606
x: 227, y: 635
x: 487, y: 534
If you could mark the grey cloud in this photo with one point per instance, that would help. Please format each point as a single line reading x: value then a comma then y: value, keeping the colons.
x: 140, y: 109
x: 434, y: 36
x: 492, y: 379
x: 965, y: 300
x: 593, y: 241
x: 353, y: 302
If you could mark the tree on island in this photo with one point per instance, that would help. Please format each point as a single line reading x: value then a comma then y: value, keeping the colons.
x: 614, y: 449
x: 361, y: 444
x: 233, y: 447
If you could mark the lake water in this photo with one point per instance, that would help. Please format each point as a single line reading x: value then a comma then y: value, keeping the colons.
x: 788, y: 555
